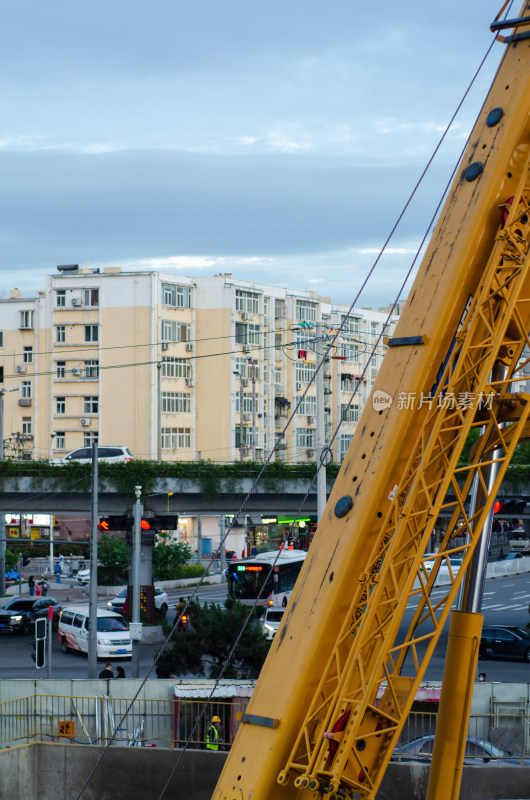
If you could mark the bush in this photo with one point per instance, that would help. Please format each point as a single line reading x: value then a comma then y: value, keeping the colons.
x: 168, y: 556
x: 209, y: 639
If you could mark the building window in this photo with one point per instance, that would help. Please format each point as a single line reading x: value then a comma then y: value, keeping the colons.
x: 247, y: 334
x: 60, y: 369
x: 266, y: 306
x: 247, y: 301
x: 60, y: 298
x: 277, y: 340
x: 278, y: 376
x: 60, y: 405
x: 241, y: 366
x: 175, y: 402
x: 90, y: 405
x: 176, y: 296
x: 305, y: 312
x: 349, y: 413
x: 26, y: 319
x: 345, y: 439
x: 91, y: 297
x: 26, y: 426
x: 176, y: 368
x: 247, y: 403
x: 1, y: 374
x: 1, y: 338
x: 60, y: 440
x: 304, y: 372
x: 176, y: 438
x: 175, y: 331
x: 92, y: 369
x: 27, y: 355
x: 305, y: 437
x: 25, y: 390
x: 308, y: 405
x: 91, y: 333
x: 60, y: 334
x: 89, y: 437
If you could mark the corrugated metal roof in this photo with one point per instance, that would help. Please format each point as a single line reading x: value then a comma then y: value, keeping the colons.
x: 203, y: 689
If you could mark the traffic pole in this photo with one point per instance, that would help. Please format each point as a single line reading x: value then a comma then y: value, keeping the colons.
x: 49, y: 637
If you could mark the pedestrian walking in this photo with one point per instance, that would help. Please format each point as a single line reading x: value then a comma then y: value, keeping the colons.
x: 31, y: 585
x: 58, y: 570
x: 107, y: 672
x: 44, y: 586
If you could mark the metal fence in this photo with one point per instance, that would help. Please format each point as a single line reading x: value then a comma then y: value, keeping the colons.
x: 178, y: 722
x: 100, y: 720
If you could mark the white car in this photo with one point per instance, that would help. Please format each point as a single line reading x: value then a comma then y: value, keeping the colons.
x: 117, y: 603
x: 83, y: 576
x: 271, y: 621
x: 83, y: 455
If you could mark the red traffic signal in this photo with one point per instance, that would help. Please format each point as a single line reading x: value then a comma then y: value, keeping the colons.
x: 104, y: 525
x: 497, y: 506
x: 144, y: 525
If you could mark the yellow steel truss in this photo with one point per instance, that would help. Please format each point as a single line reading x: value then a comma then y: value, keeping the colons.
x: 374, y: 670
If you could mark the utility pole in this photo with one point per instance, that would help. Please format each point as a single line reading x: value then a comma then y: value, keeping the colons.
x: 93, y: 601
x: 137, y: 543
x: 159, y: 414
x: 320, y: 350
x: 254, y: 432
x: 2, y: 518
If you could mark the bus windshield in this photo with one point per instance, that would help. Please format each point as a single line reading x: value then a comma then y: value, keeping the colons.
x: 265, y: 576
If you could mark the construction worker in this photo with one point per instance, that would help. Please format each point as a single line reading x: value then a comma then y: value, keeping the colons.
x: 213, y: 735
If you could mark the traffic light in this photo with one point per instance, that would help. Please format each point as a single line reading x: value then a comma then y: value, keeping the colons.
x: 163, y: 522
x: 510, y: 507
x: 115, y: 524
x: 39, y: 645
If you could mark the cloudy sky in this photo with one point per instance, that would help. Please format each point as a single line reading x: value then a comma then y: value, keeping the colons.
x: 275, y: 139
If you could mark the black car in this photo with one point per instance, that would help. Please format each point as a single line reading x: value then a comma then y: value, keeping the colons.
x: 20, y: 613
x: 504, y: 641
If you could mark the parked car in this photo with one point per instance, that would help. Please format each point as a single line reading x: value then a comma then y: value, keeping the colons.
x: 270, y: 622
x: 518, y: 541
x: 504, y: 641
x: 83, y: 455
x: 161, y: 600
x: 478, y: 751
x: 19, y: 614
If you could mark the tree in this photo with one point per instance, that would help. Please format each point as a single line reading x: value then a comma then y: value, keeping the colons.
x: 11, y: 560
x: 167, y: 556
x: 113, y: 557
x: 209, y: 640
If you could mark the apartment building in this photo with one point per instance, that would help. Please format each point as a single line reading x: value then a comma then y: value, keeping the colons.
x: 181, y: 369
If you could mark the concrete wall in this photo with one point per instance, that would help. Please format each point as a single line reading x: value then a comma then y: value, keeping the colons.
x: 60, y: 771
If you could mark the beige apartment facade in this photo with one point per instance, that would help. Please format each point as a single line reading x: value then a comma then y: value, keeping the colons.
x: 181, y: 369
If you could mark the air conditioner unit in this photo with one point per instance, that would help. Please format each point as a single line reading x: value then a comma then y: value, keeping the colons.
x: 165, y: 345
x: 189, y: 381
x: 76, y: 371
x: 245, y: 451
x: 85, y: 421
x: 245, y: 315
x: 76, y: 301
x: 244, y: 382
x: 246, y: 417
x: 189, y: 347
x: 310, y: 453
x: 298, y: 387
x: 247, y: 348
x: 24, y: 401
x: 20, y: 367
x: 310, y: 420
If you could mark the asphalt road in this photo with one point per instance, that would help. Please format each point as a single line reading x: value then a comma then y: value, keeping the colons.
x: 505, y: 602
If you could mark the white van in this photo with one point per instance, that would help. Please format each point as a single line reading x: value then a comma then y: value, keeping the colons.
x: 113, y: 639
x: 519, y: 541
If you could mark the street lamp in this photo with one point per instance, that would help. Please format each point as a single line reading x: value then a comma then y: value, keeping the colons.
x: 237, y: 372
x: 254, y: 437
x: 2, y: 522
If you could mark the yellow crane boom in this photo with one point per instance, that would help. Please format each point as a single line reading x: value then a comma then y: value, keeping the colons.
x: 339, y: 680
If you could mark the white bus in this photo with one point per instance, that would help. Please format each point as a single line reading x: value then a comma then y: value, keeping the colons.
x: 269, y: 576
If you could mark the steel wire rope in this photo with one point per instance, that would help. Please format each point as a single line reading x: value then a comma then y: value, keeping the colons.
x: 282, y: 434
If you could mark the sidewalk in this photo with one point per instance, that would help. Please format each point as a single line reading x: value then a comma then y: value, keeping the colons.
x: 68, y: 591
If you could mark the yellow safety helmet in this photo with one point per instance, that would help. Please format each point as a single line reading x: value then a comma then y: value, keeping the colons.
x: 216, y: 719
